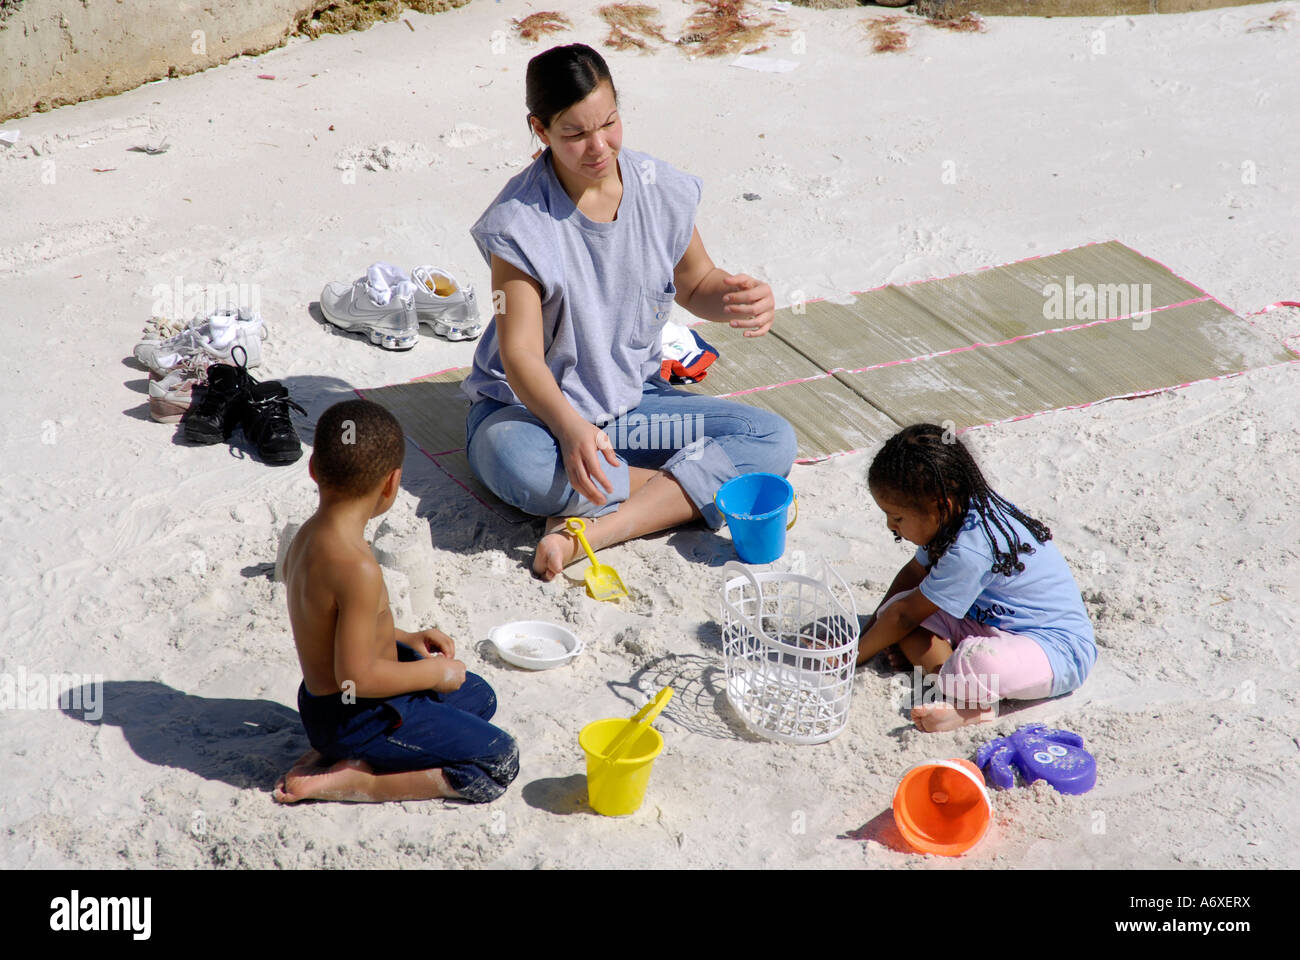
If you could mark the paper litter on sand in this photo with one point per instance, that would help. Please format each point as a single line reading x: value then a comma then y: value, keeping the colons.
x: 752, y: 61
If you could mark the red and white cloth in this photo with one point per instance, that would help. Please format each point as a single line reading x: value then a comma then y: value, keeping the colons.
x: 687, y: 356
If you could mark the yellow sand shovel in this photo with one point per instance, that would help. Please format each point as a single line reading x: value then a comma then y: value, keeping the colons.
x: 633, y: 729
x: 603, y: 582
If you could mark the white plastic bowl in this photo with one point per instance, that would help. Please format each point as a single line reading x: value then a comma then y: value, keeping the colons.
x: 535, y: 644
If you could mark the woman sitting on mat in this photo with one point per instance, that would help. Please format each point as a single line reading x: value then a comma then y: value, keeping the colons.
x: 589, y: 247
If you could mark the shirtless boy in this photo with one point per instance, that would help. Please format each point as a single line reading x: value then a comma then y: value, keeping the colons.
x: 390, y: 715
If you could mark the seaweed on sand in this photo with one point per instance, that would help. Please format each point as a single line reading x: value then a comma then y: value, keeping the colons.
x: 630, y: 24
x: 970, y: 23
x: 1281, y: 20
x: 537, y: 25
x: 886, y: 36
x: 721, y: 27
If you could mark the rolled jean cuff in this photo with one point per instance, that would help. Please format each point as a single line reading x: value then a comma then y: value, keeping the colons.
x: 579, y: 506
x: 701, y: 468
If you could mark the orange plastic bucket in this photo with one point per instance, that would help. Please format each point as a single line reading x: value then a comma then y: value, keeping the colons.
x: 941, y: 807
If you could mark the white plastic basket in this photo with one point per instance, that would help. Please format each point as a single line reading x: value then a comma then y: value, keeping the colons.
x: 790, y: 643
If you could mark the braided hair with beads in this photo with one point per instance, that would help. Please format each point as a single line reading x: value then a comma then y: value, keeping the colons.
x: 923, y: 463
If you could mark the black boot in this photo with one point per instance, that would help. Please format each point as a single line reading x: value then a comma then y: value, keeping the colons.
x: 222, y: 407
x: 267, y: 424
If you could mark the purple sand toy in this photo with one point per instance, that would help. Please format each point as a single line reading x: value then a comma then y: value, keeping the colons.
x: 1039, y: 753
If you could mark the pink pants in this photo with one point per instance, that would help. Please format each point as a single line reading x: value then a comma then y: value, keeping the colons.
x: 987, y: 664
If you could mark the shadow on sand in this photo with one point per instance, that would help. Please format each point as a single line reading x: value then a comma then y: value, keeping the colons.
x: 245, y: 743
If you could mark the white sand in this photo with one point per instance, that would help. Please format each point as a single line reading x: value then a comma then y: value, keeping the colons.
x: 129, y: 555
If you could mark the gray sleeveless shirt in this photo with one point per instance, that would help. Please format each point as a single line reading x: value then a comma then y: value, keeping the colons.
x: 607, y: 288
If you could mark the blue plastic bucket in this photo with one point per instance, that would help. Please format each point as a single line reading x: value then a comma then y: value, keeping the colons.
x: 755, y: 506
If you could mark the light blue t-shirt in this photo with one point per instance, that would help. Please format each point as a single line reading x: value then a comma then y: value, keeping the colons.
x: 607, y: 288
x: 1041, y: 602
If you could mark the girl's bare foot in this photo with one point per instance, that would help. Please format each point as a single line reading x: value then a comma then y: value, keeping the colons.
x: 942, y: 716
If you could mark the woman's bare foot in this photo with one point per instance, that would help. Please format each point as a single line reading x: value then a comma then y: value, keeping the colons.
x: 897, y: 661
x: 311, y: 778
x: 558, y: 547
x: 555, y: 550
x: 942, y: 716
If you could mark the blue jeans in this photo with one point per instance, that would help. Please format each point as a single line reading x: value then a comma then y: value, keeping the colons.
x: 701, y: 441
x: 418, y: 731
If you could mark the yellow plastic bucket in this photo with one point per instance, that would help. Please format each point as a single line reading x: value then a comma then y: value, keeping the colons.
x: 617, y: 789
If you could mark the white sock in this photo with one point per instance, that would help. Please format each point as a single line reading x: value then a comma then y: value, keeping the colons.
x: 222, y: 329
x: 385, y: 281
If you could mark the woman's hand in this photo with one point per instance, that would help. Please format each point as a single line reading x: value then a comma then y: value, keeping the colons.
x: 751, y: 303
x: 582, y: 444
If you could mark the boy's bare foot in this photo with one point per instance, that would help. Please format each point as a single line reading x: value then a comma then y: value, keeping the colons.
x: 939, y: 717
x: 355, y: 781
x: 311, y: 778
x: 309, y: 762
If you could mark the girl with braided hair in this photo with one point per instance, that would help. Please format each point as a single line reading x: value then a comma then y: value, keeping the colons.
x: 988, y: 602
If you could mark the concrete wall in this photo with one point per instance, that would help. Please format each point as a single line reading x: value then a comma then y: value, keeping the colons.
x: 54, y: 52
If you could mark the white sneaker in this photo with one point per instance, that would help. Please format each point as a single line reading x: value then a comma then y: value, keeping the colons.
x: 445, y: 305
x: 212, y: 338
x: 170, y: 396
x: 392, y: 325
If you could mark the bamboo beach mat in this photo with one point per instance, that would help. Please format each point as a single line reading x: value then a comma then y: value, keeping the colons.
x: 1093, y: 323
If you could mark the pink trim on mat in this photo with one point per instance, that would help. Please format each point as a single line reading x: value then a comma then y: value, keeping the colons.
x: 1133, y: 395
x: 1286, y: 341
x: 1080, y: 406
x: 1186, y: 281
x: 773, y: 386
x: 952, y: 350
x: 1023, y: 336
